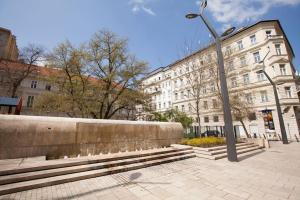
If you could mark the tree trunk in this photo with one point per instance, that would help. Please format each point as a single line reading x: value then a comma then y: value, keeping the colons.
x: 243, y: 124
x: 198, y: 120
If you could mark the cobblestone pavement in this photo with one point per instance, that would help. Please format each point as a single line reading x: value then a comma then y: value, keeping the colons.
x: 271, y: 175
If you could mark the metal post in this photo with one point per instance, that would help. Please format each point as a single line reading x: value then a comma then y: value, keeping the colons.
x: 279, y: 112
x: 230, y: 140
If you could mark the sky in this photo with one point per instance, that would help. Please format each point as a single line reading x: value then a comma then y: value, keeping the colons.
x: 157, y: 30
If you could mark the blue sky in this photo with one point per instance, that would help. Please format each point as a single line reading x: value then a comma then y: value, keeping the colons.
x: 157, y: 29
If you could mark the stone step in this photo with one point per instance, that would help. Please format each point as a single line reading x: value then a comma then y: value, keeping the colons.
x: 222, y: 150
x: 210, y: 148
x: 224, y: 155
x: 81, y: 168
x: 53, y: 164
x: 38, y: 183
x: 224, y: 147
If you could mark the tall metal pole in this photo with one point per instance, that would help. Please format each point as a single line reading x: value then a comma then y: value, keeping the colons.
x: 230, y: 140
x: 279, y: 112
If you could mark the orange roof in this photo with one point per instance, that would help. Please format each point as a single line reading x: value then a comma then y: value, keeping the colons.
x: 19, y: 65
x: 41, y: 70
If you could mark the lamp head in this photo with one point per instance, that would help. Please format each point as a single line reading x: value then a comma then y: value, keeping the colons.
x: 228, y: 32
x: 191, y: 16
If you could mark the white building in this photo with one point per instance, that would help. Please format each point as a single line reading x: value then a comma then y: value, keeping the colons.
x: 243, y: 51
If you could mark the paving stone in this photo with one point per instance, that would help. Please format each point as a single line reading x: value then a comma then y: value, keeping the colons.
x: 266, y: 176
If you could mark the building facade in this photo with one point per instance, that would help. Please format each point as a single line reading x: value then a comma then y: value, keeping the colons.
x: 8, y: 45
x: 172, y: 87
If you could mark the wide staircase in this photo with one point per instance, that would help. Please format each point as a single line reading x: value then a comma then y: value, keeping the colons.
x: 215, y: 153
x: 49, y: 173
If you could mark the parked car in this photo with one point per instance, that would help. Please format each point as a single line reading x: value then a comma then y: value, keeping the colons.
x: 211, y: 133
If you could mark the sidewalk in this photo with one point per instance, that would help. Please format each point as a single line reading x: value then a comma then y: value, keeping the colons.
x: 274, y: 175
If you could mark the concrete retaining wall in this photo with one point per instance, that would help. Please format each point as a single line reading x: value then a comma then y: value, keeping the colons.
x: 54, y: 137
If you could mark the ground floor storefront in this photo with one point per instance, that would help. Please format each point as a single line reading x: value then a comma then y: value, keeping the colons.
x: 263, y: 123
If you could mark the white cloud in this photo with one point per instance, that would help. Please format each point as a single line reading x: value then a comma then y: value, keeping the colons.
x: 239, y: 11
x: 141, y: 5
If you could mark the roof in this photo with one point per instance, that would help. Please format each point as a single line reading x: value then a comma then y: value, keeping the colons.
x: 8, y: 101
x: 210, y: 45
x: 46, y: 71
x: 5, y: 29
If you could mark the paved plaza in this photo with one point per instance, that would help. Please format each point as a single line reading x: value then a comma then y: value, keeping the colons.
x: 270, y: 175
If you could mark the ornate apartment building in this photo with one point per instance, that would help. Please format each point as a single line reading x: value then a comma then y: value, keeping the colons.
x: 243, y: 52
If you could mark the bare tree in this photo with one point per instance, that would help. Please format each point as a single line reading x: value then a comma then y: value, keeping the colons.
x: 239, y: 107
x: 195, y: 84
x: 97, y: 80
x: 16, y: 72
x: 72, y: 79
x: 195, y: 76
x: 118, y: 71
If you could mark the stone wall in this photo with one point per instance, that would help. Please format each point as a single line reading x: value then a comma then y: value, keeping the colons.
x: 54, y: 137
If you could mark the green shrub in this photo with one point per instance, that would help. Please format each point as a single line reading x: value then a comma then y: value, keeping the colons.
x: 204, y: 142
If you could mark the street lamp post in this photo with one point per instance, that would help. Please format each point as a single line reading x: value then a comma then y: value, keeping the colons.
x: 230, y: 140
x: 279, y: 112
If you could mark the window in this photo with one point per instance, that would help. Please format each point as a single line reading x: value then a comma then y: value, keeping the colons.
x: 233, y: 82
x: 202, y: 75
x: 240, y: 45
x: 176, y: 107
x: 159, y: 105
x: 230, y: 66
x: 182, y: 95
x: 206, y: 119
x: 209, y: 58
x: 175, y: 73
x: 176, y: 96
x: 187, y: 69
x: 253, y: 39
x: 278, y: 49
x: 188, y: 93
x: 169, y: 104
x: 158, y: 78
x: 215, y: 103
x: 249, y: 98
x: 204, y: 91
x: 282, y: 70
x: 211, y: 72
x: 181, y: 82
x: 264, y: 96
x: 30, y: 100
x: 256, y: 57
x: 243, y: 61
x: 212, y: 87
x: 216, y: 118
x: 164, y: 105
x: 288, y: 92
x: 182, y: 108
x: 205, y: 105
x: 268, y: 33
x: 33, y: 84
x: 190, y: 107
x: 260, y: 76
x: 228, y: 50
x: 246, y: 79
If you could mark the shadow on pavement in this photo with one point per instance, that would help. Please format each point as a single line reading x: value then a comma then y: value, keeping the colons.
x: 244, y: 157
x: 132, y: 177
